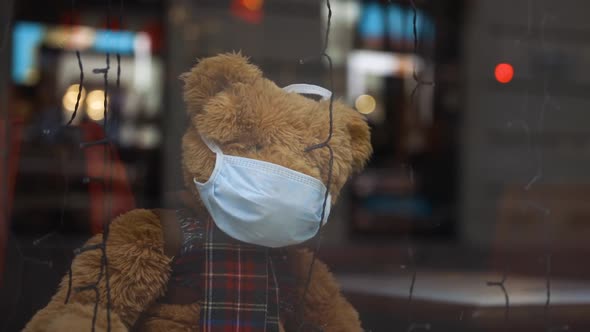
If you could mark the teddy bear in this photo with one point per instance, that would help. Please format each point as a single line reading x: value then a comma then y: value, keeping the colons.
x: 230, y: 256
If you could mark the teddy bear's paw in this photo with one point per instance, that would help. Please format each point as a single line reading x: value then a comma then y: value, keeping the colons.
x: 78, y: 317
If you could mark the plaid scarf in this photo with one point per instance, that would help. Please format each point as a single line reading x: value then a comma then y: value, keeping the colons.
x: 237, y: 282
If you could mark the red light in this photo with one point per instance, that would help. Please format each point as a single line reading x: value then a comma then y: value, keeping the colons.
x: 253, y: 5
x: 504, y: 72
x: 250, y: 11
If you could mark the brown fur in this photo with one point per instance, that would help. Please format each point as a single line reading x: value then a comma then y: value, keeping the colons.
x: 230, y: 102
x: 138, y: 274
x: 252, y: 117
x: 324, y: 304
x: 76, y: 316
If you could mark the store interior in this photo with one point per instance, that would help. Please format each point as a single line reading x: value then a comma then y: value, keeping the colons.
x: 471, y: 215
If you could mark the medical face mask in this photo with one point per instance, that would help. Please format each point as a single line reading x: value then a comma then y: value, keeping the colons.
x: 262, y: 203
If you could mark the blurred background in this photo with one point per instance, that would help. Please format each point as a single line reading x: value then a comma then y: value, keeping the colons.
x: 472, y: 214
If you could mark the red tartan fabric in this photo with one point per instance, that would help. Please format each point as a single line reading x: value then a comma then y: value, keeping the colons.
x: 238, y: 283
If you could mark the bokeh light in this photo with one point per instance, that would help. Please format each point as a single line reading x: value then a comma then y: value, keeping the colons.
x: 365, y: 104
x: 504, y: 73
x: 95, y: 105
x: 69, y: 98
x: 253, y: 4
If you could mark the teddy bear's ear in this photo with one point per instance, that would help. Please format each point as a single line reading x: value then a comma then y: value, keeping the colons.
x: 213, y: 75
x: 228, y: 116
x: 360, y: 140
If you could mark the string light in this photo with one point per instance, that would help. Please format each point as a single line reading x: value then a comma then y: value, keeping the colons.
x: 303, y: 324
x: 98, y: 110
x: 410, y: 246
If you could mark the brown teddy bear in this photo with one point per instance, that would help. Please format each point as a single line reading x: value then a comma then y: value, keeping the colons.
x: 190, y: 270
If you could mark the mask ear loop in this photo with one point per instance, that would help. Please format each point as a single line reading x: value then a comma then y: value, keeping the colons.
x: 218, y: 157
x: 212, y: 146
x: 309, y: 89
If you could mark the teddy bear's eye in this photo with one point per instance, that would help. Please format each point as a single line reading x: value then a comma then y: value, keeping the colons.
x: 312, y: 96
x: 258, y: 147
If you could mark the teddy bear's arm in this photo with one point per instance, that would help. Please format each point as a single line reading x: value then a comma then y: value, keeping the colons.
x: 138, y: 273
x: 324, y: 304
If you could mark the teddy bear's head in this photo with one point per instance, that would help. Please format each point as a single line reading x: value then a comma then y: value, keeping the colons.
x: 230, y: 103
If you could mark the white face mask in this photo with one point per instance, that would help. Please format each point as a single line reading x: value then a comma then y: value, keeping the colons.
x: 262, y: 203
